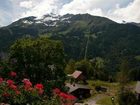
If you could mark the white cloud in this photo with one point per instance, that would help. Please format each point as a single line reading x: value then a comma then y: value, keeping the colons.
x: 129, y: 13
x: 84, y: 6
x: 117, y: 10
x: 26, y: 4
x: 43, y: 7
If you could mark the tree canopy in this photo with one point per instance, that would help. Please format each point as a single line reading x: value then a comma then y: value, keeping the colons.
x: 39, y: 59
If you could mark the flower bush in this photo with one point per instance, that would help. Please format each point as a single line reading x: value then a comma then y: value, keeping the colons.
x: 66, y: 99
x: 24, y: 92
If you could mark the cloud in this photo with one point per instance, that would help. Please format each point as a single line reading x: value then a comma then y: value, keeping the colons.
x: 26, y: 4
x: 93, y: 7
x: 82, y: 6
x: 118, y: 10
x: 43, y: 7
x: 129, y: 13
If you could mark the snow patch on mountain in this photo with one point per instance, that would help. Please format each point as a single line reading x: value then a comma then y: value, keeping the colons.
x: 27, y: 22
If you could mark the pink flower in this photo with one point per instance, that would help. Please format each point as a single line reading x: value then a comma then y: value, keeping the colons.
x: 10, y: 82
x: 13, y: 74
x: 27, y: 84
x: 25, y: 80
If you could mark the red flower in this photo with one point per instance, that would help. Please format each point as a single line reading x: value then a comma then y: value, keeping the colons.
x: 6, y: 95
x: 13, y: 74
x: 1, y: 80
x: 25, y: 80
x: 67, y: 96
x: 56, y: 91
x: 40, y: 91
x: 28, y: 88
x: 63, y: 95
x: 17, y: 92
x: 27, y: 84
x: 10, y: 82
x: 39, y: 86
x: 14, y: 87
x: 71, y: 97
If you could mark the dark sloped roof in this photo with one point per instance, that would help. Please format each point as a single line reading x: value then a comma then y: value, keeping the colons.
x: 76, y: 86
x: 138, y: 87
x: 76, y: 74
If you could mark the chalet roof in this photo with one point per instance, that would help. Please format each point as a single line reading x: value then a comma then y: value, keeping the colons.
x: 138, y: 87
x: 76, y: 74
x: 73, y: 87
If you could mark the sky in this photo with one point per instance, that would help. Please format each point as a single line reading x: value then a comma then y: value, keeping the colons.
x: 117, y: 10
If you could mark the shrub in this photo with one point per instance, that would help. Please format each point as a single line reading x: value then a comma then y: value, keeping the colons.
x: 24, y: 92
x: 126, y: 97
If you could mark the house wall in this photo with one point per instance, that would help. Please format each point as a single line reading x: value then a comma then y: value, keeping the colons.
x: 81, y: 93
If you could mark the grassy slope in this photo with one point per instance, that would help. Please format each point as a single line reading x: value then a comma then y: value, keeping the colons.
x: 104, y: 98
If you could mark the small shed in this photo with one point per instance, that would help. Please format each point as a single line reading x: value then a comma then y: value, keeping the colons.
x: 79, y: 90
x: 137, y: 90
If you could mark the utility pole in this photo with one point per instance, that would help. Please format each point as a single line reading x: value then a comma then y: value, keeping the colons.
x: 86, y: 49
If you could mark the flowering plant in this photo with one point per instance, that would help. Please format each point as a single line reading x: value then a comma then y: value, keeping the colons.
x: 24, y: 92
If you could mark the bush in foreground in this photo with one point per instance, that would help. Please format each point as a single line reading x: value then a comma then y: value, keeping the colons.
x: 24, y: 92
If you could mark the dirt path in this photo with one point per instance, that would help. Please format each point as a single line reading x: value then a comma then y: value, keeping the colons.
x: 93, y: 100
x: 90, y: 102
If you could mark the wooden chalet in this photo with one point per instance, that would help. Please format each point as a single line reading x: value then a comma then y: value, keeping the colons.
x: 79, y: 90
x: 77, y: 76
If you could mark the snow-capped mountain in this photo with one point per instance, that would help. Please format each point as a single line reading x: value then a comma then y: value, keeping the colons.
x: 49, y: 20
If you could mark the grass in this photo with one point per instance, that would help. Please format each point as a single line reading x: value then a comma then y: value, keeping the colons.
x: 101, y: 83
x: 106, y: 101
x: 104, y: 98
x: 112, y: 88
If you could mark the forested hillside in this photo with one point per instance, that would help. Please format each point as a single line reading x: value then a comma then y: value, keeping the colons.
x: 101, y: 37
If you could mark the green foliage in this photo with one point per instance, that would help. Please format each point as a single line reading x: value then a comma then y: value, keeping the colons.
x: 123, y: 76
x: 93, y: 69
x: 84, y: 66
x: 111, y: 41
x: 98, y: 65
x: 39, y: 59
x: 5, y: 68
x: 70, y: 67
x: 126, y: 97
x: 106, y: 101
